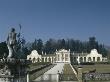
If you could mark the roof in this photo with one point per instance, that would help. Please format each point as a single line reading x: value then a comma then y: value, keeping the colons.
x: 47, y: 55
x: 79, y: 54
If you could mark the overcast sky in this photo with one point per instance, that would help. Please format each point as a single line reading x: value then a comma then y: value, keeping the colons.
x: 78, y: 19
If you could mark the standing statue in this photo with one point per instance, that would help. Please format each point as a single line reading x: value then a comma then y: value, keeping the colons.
x: 11, y: 43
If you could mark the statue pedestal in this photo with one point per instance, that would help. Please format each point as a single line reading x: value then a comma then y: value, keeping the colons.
x: 13, y: 70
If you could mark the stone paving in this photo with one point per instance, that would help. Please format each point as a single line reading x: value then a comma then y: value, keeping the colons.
x: 56, y: 69
x: 51, y: 74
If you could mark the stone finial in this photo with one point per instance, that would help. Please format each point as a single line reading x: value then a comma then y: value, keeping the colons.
x: 73, y: 53
x: 82, y: 52
x: 45, y: 53
x: 42, y: 52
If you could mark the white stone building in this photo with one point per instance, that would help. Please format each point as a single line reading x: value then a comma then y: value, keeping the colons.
x: 63, y: 56
x: 59, y: 56
x: 94, y: 56
x: 34, y: 57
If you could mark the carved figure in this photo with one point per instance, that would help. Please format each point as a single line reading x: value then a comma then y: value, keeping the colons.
x: 11, y: 43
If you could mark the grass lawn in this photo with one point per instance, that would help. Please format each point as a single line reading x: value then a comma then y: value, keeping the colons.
x: 98, y: 81
x: 67, y: 69
x: 37, y: 65
x: 68, y: 74
x: 102, y: 68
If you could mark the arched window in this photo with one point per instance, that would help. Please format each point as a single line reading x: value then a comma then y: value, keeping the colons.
x: 46, y: 59
x: 42, y: 59
x: 81, y: 59
x: 29, y: 58
x: 34, y: 60
x: 66, y: 57
x: 75, y: 59
x: 38, y: 59
x: 84, y: 59
x: 98, y: 59
x: 89, y: 59
x: 93, y: 59
x: 49, y: 59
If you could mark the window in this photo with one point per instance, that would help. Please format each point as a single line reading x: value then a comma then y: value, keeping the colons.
x: 49, y: 59
x: 66, y: 57
x: 81, y: 59
x: 29, y: 58
x: 89, y: 59
x: 62, y: 57
x: 84, y: 59
x: 45, y: 59
x: 42, y: 59
x: 75, y: 59
x: 98, y: 59
x: 38, y: 59
x: 34, y: 60
x: 93, y: 59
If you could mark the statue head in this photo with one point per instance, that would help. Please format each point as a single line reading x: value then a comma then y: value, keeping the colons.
x: 12, y: 29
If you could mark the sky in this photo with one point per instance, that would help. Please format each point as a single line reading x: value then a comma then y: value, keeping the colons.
x: 78, y: 19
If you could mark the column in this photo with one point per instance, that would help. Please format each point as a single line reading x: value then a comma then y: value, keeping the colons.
x: 60, y: 58
x: 56, y: 57
x: 69, y: 57
x: 27, y: 76
x: 51, y: 59
x: 44, y: 58
x: 64, y: 57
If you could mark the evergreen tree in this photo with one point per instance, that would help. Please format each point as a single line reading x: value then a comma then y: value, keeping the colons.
x: 34, y: 45
x: 3, y: 49
x: 39, y: 46
x: 93, y: 44
x: 50, y: 46
x: 74, y: 45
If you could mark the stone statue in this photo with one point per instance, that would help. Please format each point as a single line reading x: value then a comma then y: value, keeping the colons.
x: 11, y: 43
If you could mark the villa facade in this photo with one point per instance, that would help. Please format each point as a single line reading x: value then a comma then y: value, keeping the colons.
x: 93, y: 56
x: 59, y: 56
x: 65, y: 56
